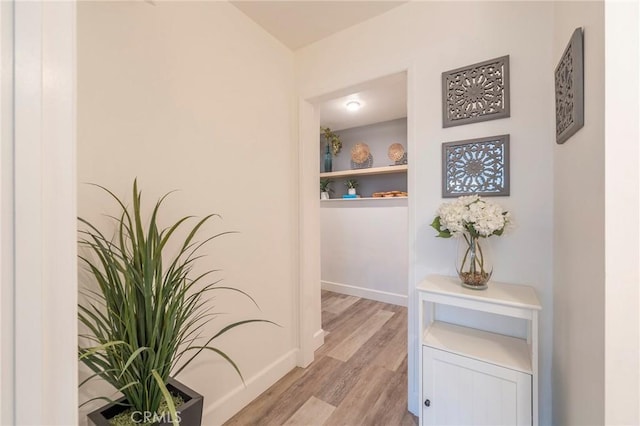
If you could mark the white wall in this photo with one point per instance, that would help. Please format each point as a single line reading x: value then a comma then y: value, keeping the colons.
x: 428, y: 38
x: 579, y: 237
x: 196, y: 97
x: 596, y: 342
x: 364, y: 248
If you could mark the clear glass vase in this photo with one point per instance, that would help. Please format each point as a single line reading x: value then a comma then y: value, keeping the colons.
x: 474, y: 262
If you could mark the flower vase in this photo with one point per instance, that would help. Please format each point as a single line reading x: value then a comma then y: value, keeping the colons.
x: 474, y: 261
x: 327, y: 159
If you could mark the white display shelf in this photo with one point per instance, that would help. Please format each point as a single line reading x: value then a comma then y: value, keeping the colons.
x: 497, y: 349
x: 491, y: 349
x: 362, y: 172
x: 500, y: 298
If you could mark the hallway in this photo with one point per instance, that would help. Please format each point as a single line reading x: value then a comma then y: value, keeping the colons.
x: 359, y: 376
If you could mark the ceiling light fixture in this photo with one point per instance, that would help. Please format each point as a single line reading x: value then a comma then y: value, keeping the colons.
x: 353, y: 105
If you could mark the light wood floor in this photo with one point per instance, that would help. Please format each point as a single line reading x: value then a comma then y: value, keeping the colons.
x: 359, y: 376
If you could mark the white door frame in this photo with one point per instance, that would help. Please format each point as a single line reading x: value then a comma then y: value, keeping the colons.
x: 39, y: 264
x: 310, y: 334
x: 6, y: 213
x: 622, y: 202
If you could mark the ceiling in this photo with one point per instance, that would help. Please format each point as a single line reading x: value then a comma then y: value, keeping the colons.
x: 381, y: 100
x: 302, y: 22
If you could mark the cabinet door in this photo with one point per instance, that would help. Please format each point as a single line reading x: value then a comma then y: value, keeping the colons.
x: 464, y: 391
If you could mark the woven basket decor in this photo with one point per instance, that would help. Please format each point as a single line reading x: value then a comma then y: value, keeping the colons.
x: 360, y: 152
x: 396, y: 152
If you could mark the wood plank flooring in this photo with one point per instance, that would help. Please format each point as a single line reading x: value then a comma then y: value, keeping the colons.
x: 359, y: 376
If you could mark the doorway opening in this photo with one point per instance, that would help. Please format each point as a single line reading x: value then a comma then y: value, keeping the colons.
x: 363, y: 235
x: 355, y: 246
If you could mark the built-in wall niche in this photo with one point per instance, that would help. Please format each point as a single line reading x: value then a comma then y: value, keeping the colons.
x: 384, y: 175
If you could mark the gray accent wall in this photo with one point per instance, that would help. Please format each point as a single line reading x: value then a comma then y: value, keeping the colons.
x: 379, y: 137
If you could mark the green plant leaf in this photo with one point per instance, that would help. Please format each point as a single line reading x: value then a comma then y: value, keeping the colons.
x: 442, y: 233
x: 86, y: 352
x: 167, y: 398
x: 132, y: 357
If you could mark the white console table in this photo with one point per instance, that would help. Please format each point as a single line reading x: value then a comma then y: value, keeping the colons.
x: 476, y: 377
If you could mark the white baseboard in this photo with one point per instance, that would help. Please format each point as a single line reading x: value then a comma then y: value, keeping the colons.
x: 366, y: 293
x: 226, y: 407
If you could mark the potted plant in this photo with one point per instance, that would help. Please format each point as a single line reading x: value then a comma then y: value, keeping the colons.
x: 325, y: 188
x: 146, y: 316
x: 351, y: 184
x: 334, y: 145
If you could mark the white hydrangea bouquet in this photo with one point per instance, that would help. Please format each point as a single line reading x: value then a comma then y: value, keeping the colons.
x: 471, y: 217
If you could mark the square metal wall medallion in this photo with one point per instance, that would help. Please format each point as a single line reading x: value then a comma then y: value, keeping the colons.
x: 569, y: 78
x: 477, y: 92
x: 476, y: 166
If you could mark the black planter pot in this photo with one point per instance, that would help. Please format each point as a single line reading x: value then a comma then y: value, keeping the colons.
x: 190, y: 411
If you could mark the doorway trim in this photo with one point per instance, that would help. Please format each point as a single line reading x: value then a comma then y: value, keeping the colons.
x: 38, y: 194
x: 310, y: 333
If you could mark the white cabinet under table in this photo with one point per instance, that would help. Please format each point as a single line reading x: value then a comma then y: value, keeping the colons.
x: 476, y: 377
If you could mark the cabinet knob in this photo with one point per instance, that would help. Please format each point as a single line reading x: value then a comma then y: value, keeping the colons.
x: 427, y: 403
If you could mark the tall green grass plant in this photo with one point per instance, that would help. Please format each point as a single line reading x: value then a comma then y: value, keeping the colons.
x: 148, y: 317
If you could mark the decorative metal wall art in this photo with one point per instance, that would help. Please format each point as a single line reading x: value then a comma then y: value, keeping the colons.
x: 569, y: 75
x: 477, y: 92
x: 476, y: 166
